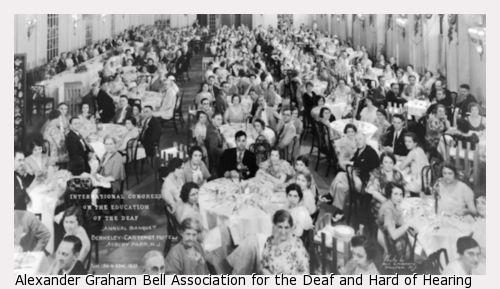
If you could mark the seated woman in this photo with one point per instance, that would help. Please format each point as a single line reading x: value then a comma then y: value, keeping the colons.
x: 326, y: 117
x: 392, y: 233
x: 469, y: 260
x: 455, y: 197
x: 299, y: 212
x: 280, y: 169
x: 346, y: 146
x: 188, y: 256
x: 477, y: 123
x: 172, y: 184
x: 132, y: 132
x: 112, y: 164
x: 263, y: 132
x: 37, y: 163
x: 382, y: 125
x: 284, y: 253
x: 363, y: 253
x: 369, y: 112
x: 304, y: 180
x: 437, y: 125
x: 380, y: 177
x: 302, y: 166
x: 411, y: 165
x: 189, y: 207
x: 342, y: 93
x: 315, y: 111
x: 195, y: 169
x: 86, y: 117
x: 72, y: 222
x: 235, y: 113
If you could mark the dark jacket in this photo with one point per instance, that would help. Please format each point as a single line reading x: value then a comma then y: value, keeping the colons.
x: 365, y: 162
x: 106, y: 106
x: 78, y: 269
x: 118, y: 113
x: 78, y: 151
x: 150, y: 135
x: 390, y: 97
x: 91, y: 100
x: 214, y: 143
x: 21, y: 198
x: 228, y: 162
x: 399, y: 147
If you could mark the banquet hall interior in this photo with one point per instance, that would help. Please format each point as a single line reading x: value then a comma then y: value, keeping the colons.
x: 250, y: 143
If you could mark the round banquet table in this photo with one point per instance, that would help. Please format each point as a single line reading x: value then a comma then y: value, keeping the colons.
x: 440, y: 231
x: 246, y: 207
x: 96, y: 138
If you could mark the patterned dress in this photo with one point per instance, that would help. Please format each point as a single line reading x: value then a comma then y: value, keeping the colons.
x: 289, y: 257
x: 377, y: 182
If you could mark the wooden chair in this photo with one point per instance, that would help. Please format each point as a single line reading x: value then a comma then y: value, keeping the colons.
x: 358, y: 202
x: 325, y: 147
x: 427, y: 179
x: 433, y: 264
x: 326, y: 256
x: 131, y: 159
x: 463, y: 153
x: 173, y: 232
x: 289, y: 151
x: 177, y: 116
x: 72, y: 96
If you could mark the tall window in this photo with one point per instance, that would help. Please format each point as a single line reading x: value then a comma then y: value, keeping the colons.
x: 113, y: 25
x: 88, y: 29
x: 52, y: 36
x: 212, y: 22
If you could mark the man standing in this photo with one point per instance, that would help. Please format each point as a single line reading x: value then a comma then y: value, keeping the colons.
x: 238, y: 162
x: 123, y: 112
x: 91, y: 98
x: 151, y: 131
x: 78, y: 149
x: 22, y: 180
x: 66, y: 257
x: 214, y: 142
x: 105, y: 105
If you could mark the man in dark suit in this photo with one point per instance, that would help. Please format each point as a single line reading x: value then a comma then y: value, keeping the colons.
x: 365, y: 159
x: 66, y: 257
x: 394, y: 96
x: 123, y: 112
x: 394, y: 140
x: 238, y: 161
x: 214, y: 142
x: 22, y: 180
x: 105, y: 106
x: 464, y: 99
x: 151, y: 131
x: 78, y: 149
x: 91, y: 98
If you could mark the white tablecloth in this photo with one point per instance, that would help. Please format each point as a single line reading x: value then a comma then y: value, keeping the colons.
x: 417, y: 108
x: 109, y: 129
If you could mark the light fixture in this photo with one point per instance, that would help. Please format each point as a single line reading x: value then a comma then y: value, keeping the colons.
x: 75, y: 22
x: 402, y: 20
x: 478, y: 36
x: 361, y: 17
x: 30, y: 25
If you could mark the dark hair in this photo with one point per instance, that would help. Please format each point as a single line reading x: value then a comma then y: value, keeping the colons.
x: 239, y: 134
x: 132, y: 120
x: 322, y: 111
x: 72, y: 119
x: 124, y: 96
x: 35, y: 143
x: 199, y: 113
x: 138, y: 106
x: 148, y: 106
x: 383, y: 112
x: 235, y: 95
x: 194, y: 149
x: 309, y: 84
x: 389, y: 155
x: 74, y: 211
x: 174, y: 164
x: 473, y: 104
x: 390, y: 186
x: 216, y: 114
x: 262, y: 123
x: 77, y: 243
x: 394, y: 83
x: 449, y: 166
x: 413, y: 136
x: 348, y: 126
x: 190, y: 223
x: 295, y: 187
x: 186, y: 189
x: 369, y: 246
x: 466, y: 86
x: 84, y: 103
x: 304, y: 159
x: 281, y: 216
x: 54, y: 114
x: 412, y: 75
x: 61, y: 104
x: 465, y: 243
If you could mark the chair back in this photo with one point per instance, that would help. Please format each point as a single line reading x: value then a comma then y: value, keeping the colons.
x: 72, y: 96
x: 261, y: 149
x: 289, y: 151
x: 427, y: 179
x: 434, y: 263
x: 179, y: 101
x: 465, y: 156
x: 131, y: 150
x: 324, y: 257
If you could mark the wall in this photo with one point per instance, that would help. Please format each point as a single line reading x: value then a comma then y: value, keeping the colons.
x: 421, y: 45
x: 265, y: 20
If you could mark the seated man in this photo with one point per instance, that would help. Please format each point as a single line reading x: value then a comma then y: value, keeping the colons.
x: 153, y: 263
x: 66, y: 257
x: 33, y: 235
x: 238, y: 161
x: 394, y: 140
x: 468, y: 261
x: 123, y: 112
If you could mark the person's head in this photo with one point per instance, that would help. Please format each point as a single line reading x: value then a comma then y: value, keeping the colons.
x: 350, y: 130
x: 110, y: 144
x: 74, y: 123
x: 363, y: 251
x: 205, y: 104
x: 395, y: 88
x: 411, y: 140
x: 36, y: 147
x: 153, y: 263
x: 85, y: 108
x: 469, y: 251
x: 136, y: 109
x: 303, y: 179
x: 130, y: 123
x: 201, y: 117
x: 360, y: 139
x: 63, y: 108
x: 195, y: 154
x: 302, y: 163
x: 398, y: 121
x: 321, y: 101
x: 68, y: 251
x: 204, y: 87
x: 441, y: 111
x: 217, y: 119
x: 259, y: 125
x: 148, y: 111
x: 275, y: 155
x: 287, y: 114
x: 341, y: 82
x: 448, y: 172
x: 235, y: 99
x: 387, y: 161
x: 394, y: 192
x: 19, y: 161
x: 189, y: 193
x: 464, y: 90
x: 72, y: 219
x: 294, y: 194
x: 241, y: 140
x: 325, y: 113
x: 309, y: 87
x: 123, y: 101
x: 381, y: 114
x: 175, y: 167
x: 474, y: 109
x: 190, y: 230
x: 282, y: 225
x: 369, y: 101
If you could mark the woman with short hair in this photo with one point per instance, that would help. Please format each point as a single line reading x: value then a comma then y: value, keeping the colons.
x: 363, y: 253
x: 72, y: 221
x: 188, y: 207
x: 195, y: 169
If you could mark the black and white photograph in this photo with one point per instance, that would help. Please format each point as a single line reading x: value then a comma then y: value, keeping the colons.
x: 197, y: 144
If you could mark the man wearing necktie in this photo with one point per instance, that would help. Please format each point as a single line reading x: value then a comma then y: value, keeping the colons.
x: 238, y: 161
x: 22, y: 180
x: 78, y: 149
x: 123, y: 112
x: 151, y: 131
x: 394, y: 138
